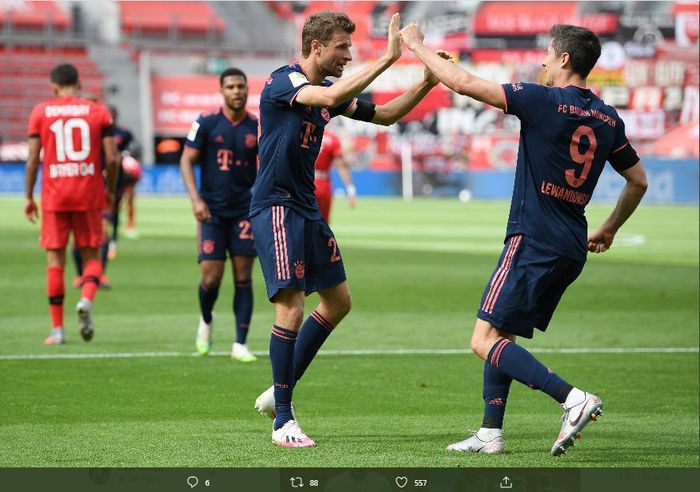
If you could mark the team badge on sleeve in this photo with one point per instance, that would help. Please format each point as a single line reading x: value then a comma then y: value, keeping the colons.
x: 193, y: 131
x: 298, y: 79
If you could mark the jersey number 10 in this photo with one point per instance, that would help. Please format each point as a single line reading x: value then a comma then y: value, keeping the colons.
x: 64, y: 139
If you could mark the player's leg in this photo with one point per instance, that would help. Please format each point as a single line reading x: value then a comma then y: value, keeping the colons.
x: 334, y: 306
x: 78, y: 261
x: 88, y: 233
x: 107, y: 218
x: 280, y: 239
x: 242, y: 305
x: 242, y: 252
x: 212, y: 241
x: 55, y: 229
x: 55, y: 289
x: 208, y: 292
x: 326, y: 269
x: 130, y: 194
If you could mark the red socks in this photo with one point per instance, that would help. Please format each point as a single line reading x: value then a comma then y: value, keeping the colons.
x: 91, y: 279
x: 55, y: 289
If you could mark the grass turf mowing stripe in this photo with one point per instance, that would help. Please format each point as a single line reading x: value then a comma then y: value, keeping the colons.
x: 259, y: 353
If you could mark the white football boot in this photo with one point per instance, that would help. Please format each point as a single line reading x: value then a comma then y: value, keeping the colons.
x: 240, y: 352
x: 265, y: 403
x: 84, y: 310
x: 584, y: 408
x: 204, y: 335
x: 491, y: 444
x: 290, y: 435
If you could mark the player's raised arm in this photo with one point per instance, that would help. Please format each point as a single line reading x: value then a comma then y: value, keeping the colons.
x: 347, y: 88
x: 397, y: 108
x: 190, y: 156
x: 454, y: 77
x: 30, y: 208
x: 631, y: 195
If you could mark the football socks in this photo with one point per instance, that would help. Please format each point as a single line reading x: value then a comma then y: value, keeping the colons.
x: 207, y: 298
x: 282, y: 343
x: 55, y: 289
x: 91, y: 276
x: 313, y: 333
x: 243, y: 309
x: 522, y: 366
x: 496, y: 388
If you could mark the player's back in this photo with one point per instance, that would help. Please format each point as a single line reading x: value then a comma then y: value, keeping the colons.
x: 71, y: 130
x: 567, y: 135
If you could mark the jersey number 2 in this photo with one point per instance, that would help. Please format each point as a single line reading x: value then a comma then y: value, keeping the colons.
x: 586, y: 158
x: 64, y: 139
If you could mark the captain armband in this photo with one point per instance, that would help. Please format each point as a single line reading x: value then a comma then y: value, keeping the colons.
x: 364, y: 111
x: 624, y: 158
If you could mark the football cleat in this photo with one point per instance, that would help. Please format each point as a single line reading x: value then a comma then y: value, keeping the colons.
x: 204, y: 335
x: 265, y: 404
x: 290, y: 435
x: 57, y: 337
x: 574, y: 420
x: 473, y: 444
x: 84, y: 310
x: 241, y: 353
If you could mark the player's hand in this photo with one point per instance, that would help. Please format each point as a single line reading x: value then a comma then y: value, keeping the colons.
x: 200, y: 210
x: 428, y: 75
x: 600, y: 241
x: 393, y: 49
x: 30, y: 210
x: 412, y: 35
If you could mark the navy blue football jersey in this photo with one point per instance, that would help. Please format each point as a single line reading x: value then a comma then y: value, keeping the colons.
x: 567, y: 134
x: 228, y: 161
x: 290, y: 140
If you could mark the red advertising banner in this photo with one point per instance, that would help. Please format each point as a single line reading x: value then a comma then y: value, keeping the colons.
x: 179, y: 100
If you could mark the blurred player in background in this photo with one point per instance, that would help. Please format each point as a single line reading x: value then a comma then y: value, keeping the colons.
x: 225, y: 144
x: 331, y: 152
x: 567, y: 135
x: 74, y: 133
x: 298, y: 251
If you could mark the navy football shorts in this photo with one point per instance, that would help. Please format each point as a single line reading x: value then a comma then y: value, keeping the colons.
x: 295, y: 252
x: 222, y: 234
x: 526, y: 286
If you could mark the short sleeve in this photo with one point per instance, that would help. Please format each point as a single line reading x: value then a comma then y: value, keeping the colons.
x: 34, y: 129
x: 622, y: 156
x: 342, y: 107
x: 197, y: 135
x: 106, y: 122
x: 285, y: 86
x: 526, y: 101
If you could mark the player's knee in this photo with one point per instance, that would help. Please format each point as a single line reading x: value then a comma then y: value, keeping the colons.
x: 478, y: 346
x: 344, y: 304
x: 211, y: 282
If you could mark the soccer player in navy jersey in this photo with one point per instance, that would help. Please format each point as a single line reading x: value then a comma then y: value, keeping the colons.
x: 225, y: 144
x: 567, y: 135
x: 298, y: 252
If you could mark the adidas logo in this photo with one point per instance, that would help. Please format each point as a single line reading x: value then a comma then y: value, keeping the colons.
x: 292, y: 439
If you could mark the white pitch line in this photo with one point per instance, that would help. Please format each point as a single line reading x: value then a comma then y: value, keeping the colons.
x: 131, y: 355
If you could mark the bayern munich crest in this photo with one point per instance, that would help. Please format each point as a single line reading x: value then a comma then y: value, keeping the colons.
x: 251, y: 140
x: 299, y: 269
x: 208, y: 246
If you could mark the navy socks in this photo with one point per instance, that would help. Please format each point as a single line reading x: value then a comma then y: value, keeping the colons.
x: 282, y: 343
x: 516, y: 362
x: 496, y: 388
x: 243, y: 309
x: 207, y: 298
x: 313, y: 333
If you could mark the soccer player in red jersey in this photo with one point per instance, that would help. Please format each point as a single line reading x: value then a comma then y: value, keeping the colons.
x: 72, y: 132
x: 331, y: 152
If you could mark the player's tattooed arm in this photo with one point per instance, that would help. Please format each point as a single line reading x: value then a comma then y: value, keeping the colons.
x: 454, y: 77
x: 190, y: 156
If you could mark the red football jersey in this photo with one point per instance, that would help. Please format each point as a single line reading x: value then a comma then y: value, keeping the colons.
x: 330, y: 149
x: 71, y: 131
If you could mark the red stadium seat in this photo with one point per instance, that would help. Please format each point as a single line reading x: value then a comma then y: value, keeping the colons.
x: 194, y: 17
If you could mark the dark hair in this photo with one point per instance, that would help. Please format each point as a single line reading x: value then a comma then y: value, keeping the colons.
x: 322, y: 26
x: 231, y: 72
x: 580, y: 43
x: 64, y: 75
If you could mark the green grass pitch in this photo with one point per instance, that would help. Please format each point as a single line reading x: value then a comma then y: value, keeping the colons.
x: 416, y: 271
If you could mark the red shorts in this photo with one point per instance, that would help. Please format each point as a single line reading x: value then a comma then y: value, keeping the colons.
x: 56, y: 226
x: 324, y: 195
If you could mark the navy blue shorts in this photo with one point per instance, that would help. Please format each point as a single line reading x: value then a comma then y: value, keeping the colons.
x: 295, y: 252
x: 222, y: 234
x: 526, y: 287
